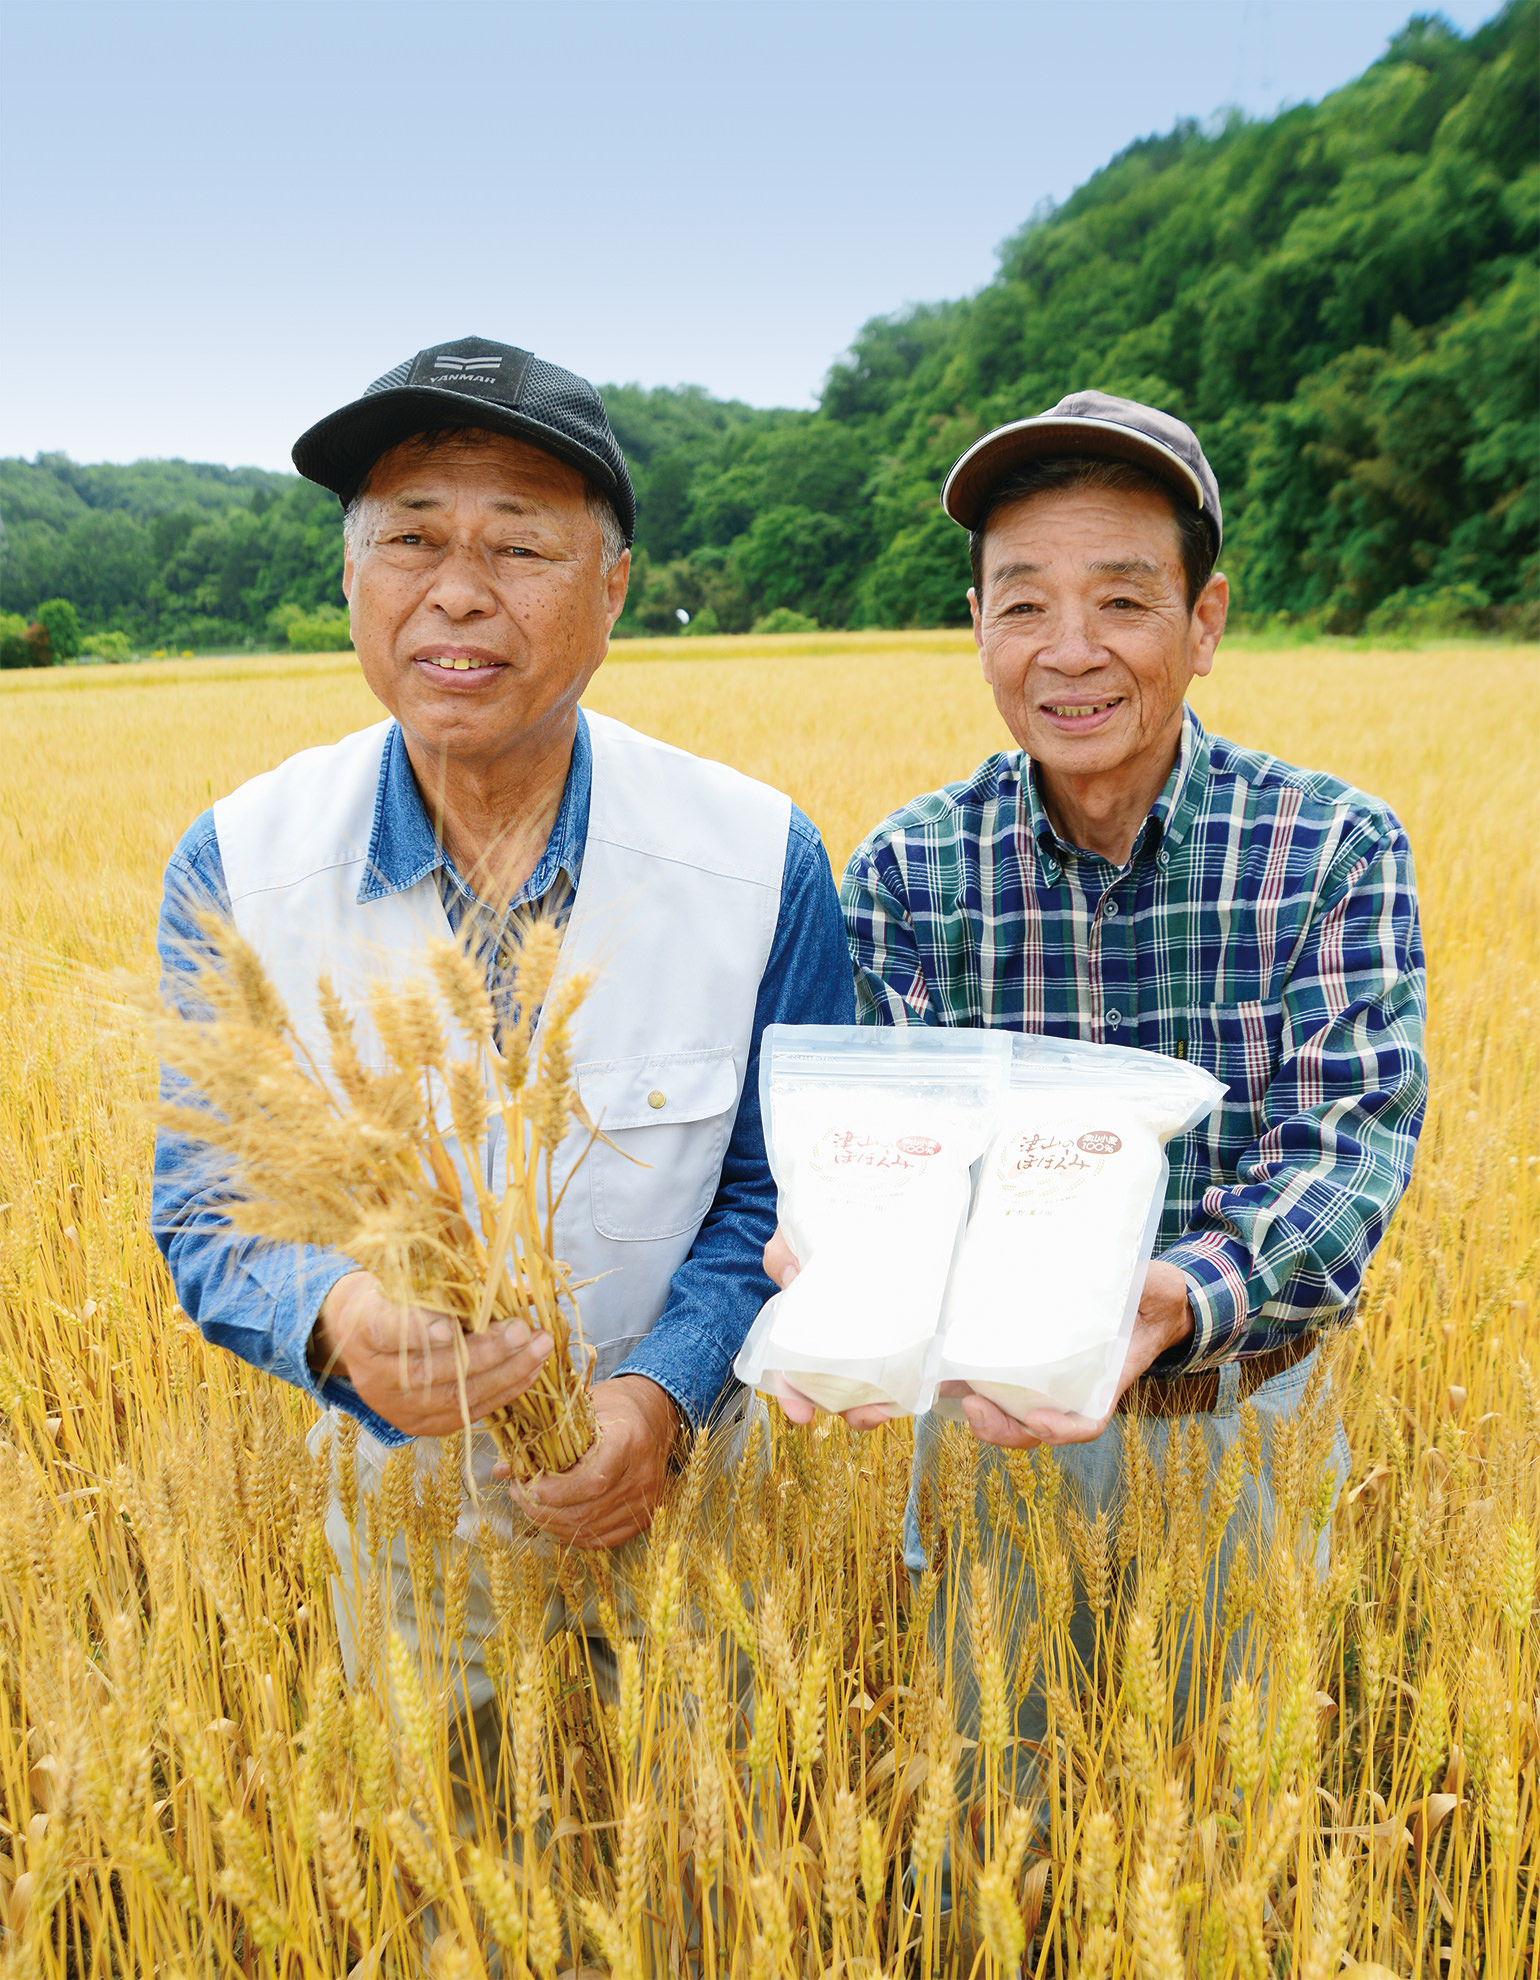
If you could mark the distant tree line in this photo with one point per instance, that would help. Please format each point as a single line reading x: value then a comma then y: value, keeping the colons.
x: 1342, y: 299
x: 169, y: 554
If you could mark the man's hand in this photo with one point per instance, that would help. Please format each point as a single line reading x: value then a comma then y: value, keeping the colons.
x: 417, y: 1369
x: 611, y: 1493
x: 781, y: 1266
x: 1163, y: 1320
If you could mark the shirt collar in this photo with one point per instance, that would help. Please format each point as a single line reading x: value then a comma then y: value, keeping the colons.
x: 1170, y: 817
x: 403, y: 847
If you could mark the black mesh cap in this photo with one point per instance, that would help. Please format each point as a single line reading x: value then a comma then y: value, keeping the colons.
x: 471, y: 383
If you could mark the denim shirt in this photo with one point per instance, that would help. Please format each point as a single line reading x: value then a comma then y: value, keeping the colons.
x: 261, y: 1299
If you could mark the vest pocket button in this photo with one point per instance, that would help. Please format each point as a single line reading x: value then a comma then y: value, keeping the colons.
x: 656, y: 1098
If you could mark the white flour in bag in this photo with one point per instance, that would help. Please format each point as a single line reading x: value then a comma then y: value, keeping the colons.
x: 874, y: 1200
x: 871, y: 1137
x: 1042, y: 1299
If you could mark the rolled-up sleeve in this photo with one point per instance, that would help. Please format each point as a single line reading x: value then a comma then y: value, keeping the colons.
x: 257, y: 1298
x: 1281, y: 1248
x: 715, y: 1295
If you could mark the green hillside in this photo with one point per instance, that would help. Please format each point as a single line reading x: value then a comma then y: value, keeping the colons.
x: 1342, y: 299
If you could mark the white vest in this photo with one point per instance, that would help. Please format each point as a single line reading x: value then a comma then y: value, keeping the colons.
x: 675, y: 912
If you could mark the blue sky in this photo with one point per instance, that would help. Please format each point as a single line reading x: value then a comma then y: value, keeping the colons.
x: 225, y: 217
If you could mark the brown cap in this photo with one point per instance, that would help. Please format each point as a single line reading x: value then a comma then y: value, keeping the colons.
x: 1092, y: 423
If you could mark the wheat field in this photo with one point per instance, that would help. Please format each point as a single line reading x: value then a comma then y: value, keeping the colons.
x: 188, y: 1784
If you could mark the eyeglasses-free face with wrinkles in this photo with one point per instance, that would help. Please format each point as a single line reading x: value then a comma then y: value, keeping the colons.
x: 480, y: 604
x: 1086, y: 640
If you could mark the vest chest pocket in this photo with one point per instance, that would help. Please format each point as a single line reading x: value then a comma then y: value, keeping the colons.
x: 670, y: 1113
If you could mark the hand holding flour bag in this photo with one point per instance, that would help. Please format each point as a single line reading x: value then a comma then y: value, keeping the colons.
x: 871, y: 1135
x: 1045, y: 1291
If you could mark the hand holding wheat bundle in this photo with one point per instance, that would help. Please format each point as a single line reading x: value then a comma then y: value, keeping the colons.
x: 384, y: 1164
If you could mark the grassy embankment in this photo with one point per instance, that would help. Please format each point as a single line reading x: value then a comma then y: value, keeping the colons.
x: 186, y: 1783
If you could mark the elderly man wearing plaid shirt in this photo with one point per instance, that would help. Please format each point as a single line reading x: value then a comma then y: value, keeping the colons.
x: 1124, y: 877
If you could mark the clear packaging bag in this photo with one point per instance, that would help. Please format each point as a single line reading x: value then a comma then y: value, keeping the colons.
x: 1044, y: 1294
x: 871, y: 1134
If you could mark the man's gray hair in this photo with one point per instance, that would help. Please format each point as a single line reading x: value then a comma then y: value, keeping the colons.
x: 612, y: 538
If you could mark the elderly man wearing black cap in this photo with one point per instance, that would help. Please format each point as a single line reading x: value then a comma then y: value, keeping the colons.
x: 1123, y: 877
x: 488, y: 513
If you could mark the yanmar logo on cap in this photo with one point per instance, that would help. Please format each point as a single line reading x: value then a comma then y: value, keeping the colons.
x: 475, y: 366
x: 463, y: 372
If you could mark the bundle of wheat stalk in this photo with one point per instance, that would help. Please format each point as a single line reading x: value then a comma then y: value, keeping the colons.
x: 377, y: 1163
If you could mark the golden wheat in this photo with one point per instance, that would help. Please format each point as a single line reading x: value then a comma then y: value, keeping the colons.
x: 761, y: 1773
x: 363, y: 1160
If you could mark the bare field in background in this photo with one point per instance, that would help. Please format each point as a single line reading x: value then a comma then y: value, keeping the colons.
x: 189, y: 1787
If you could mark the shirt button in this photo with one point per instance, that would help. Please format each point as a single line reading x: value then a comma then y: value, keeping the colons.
x: 1109, y: 907
x: 1113, y: 1019
x: 1163, y: 858
x: 656, y: 1099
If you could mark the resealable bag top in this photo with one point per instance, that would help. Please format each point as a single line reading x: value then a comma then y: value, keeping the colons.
x: 871, y: 1134
x: 1043, y: 1297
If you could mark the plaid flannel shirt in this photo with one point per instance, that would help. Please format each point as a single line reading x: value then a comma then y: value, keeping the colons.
x: 1265, y: 926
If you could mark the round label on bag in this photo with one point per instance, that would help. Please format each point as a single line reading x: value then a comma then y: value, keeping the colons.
x: 872, y: 1162
x: 1048, y: 1165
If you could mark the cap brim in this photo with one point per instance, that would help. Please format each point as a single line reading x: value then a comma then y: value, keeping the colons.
x: 339, y: 451
x: 966, y: 491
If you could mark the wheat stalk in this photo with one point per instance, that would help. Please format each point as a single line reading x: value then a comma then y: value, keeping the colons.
x: 184, y: 1768
x: 376, y: 1162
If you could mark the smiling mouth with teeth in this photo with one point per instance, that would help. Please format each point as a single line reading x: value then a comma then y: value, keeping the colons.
x: 461, y: 665
x: 1069, y: 710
